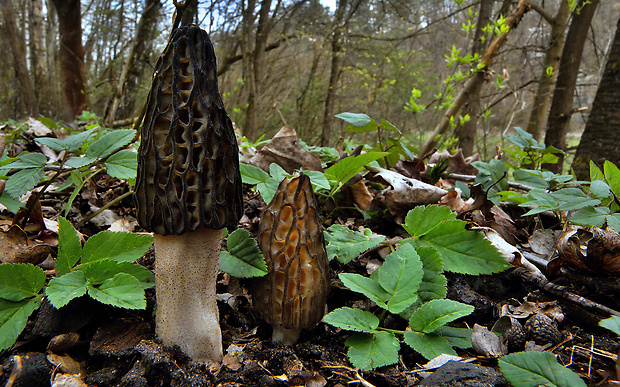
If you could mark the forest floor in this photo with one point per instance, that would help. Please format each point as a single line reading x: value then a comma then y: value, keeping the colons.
x: 108, y: 346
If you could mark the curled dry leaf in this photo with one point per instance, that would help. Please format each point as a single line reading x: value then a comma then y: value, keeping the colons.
x: 594, y: 249
x: 360, y: 194
x: 454, y: 201
x: 528, y: 308
x: 487, y: 343
x: 16, y: 248
x: 405, y: 193
x: 284, y: 150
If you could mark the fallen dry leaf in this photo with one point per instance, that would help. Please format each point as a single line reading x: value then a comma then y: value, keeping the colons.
x: 594, y: 249
x: 454, y: 201
x: 284, y: 150
x: 15, y: 247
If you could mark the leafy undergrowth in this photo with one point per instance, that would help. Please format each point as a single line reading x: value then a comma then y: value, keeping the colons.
x: 408, y: 283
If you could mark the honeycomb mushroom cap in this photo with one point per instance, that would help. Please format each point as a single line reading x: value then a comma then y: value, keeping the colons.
x: 293, y: 294
x: 188, y: 162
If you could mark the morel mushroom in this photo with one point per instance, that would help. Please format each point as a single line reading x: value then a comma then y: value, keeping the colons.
x: 293, y: 294
x: 188, y: 188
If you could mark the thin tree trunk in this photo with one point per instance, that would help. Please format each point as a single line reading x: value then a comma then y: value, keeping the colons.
x: 538, y: 114
x: 334, y: 73
x: 71, y: 55
x: 26, y: 89
x: 37, y: 49
x: 148, y: 17
x: 467, y: 133
x: 465, y: 94
x: 601, y: 138
x: 562, y: 103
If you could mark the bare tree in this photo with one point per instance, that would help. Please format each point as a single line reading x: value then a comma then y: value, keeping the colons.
x: 601, y: 138
x: 562, y: 104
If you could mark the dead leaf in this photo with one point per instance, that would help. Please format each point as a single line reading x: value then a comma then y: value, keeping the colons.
x: 63, y: 342
x: 454, y: 201
x: 2, y: 143
x: 456, y: 162
x: 487, y: 343
x: 65, y: 364
x: 37, y: 128
x: 284, y: 150
x: 543, y: 241
x: 594, y: 249
x: 15, y: 247
x: 361, y: 195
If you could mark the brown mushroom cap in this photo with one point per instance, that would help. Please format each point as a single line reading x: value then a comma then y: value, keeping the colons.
x: 293, y: 294
x: 188, y: 162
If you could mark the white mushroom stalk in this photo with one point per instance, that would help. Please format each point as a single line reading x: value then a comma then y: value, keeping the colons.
x: 188, y: 188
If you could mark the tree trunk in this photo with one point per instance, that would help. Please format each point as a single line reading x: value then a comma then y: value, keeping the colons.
x: 142, y: 33
x: 71, y: 56
x: 601, y: 138
x: 334, y: 73
x: 26, y: 89
x: 467, y: 133
x: 37, y: 50
x: 562, y: 103
x: 538, y: 114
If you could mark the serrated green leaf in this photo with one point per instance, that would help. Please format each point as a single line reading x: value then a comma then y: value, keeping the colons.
x: 434, y: 283
x: 79, y: 162
x: 612, y: 323
x: 600, y: 189
x: 429, y: 345
x: 346, y: 245
x: 77, y: 140
x: 123, y: 291
x: 352, y: 319
x: 23, y: 181
x: 367, y: 286
x: 531, y: 178
x: 269, y: 187
x: 13, y: 319
x: 110, y: 142
x: 435, y: 313
x: 613, y: 221
x: 457, y: 337
x: 243, y: 258
x: 612, y: 175
x: 120, y: 246
x: 28, y: 160
x: 355, y: 119
x: 590, y: 216
x: 53, y: 143
x: 69, y: 247
x: 252, y: 175
x: 532, y: 368
x: 12, y: 204
x: 61, y: 290
x: 99, y: 271
x: 462, y: 251
x: 345, y: 169
x: 20, y: 280
x: 122, y: 164
x: 318, y: 180
x: 401, y: 275
x: 372, y: 351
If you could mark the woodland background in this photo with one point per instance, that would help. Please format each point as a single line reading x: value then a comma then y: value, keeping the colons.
x: 298, y: 62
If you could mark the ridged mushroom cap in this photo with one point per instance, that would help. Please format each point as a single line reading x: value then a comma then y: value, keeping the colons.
x: 188, y: 161
x: 294, y: 292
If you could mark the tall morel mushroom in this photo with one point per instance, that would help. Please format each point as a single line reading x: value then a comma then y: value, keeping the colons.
x: 188, y: 188
x: 293, y: 294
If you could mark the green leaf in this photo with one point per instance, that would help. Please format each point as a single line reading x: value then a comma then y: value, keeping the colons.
x: 69, y: 247
x: 612, y: 323
x: 388, y: 125
x: 372, y: 351
x: 13, y: 205
x: 23, y: 181
x: 348, y: 167
x: 532, y: 368
x: 612, y: 175
x: 20, y: 280
x: 595, y: 172
x: 457, y: 337
x: 401, y: 275
x: 61, y: 290
x: 252, y: 175
x: 318, y: 180
x: 79, y: 162
x: 53, y: 143
x: 590, y: 216
x: 98, y: 272
x: 436, y: 313
x: 369, y: 127
x: 354, y: 119
x: 243, y: 258
x: 367, y: 286
x: 462, y: 251
x: 77, y: 140
x: 531, y: 178
x: 122, y: 290
x: 28, y: 160
x: 110, y: 142
x: 13, y: 319
x: 346, y: 244
x: 352, y: 319
x: 269, y: 187
x: 429, y: 345
x: 600, y: 189
x: 122, y: 164
x: 613, y: 221
x: 434, y: 283
x: 120, y: 246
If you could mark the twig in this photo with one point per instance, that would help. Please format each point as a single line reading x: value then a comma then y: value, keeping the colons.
x: 105, y: 207
x: 562, y: 292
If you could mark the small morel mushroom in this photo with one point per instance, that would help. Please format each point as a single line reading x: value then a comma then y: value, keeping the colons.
x: 188, y: 188
x: 293, y: 294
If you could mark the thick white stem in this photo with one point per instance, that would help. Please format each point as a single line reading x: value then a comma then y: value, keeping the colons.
x: 186, y: 268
